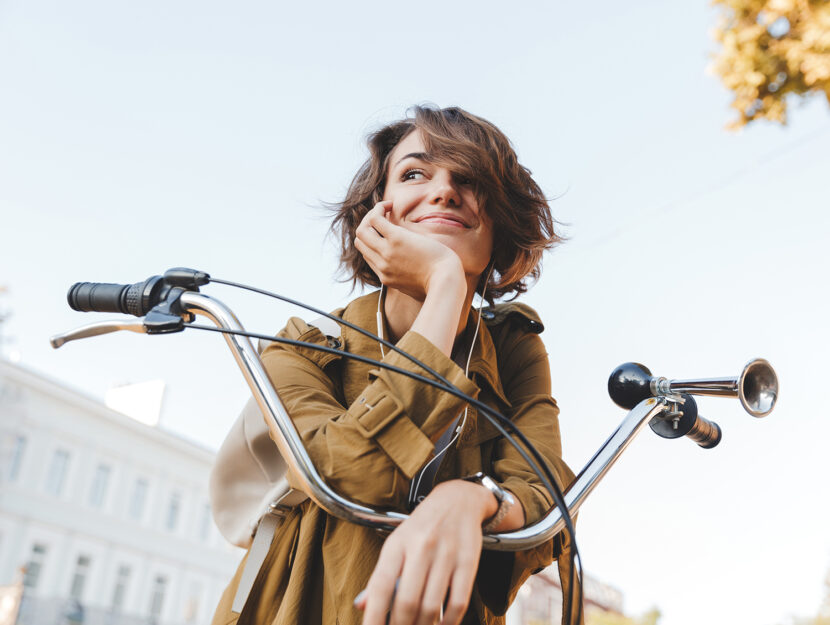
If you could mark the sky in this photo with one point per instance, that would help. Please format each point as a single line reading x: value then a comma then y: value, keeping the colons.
x: 135, y: 137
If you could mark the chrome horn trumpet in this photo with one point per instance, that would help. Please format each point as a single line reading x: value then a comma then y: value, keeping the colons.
x: 756, y: 387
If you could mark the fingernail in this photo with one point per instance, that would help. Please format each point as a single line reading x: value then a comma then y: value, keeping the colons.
x: 360, y: 596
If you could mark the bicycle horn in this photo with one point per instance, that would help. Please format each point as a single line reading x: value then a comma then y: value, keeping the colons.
x: 756, y: 387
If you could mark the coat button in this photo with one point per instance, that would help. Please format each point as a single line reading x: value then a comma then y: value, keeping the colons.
x: 488, y: 314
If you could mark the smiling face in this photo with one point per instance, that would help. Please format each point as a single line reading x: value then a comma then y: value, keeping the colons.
x: 431, y: 200
x: 466, y: 144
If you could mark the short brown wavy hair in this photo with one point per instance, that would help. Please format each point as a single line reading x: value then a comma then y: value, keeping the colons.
x: 474, y: 149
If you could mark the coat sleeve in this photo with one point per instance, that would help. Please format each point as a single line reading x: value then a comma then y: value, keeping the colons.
x: 526, y: 381
x: 367, y: 451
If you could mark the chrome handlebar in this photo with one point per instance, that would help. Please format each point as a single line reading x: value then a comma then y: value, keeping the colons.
x: 291, y: 447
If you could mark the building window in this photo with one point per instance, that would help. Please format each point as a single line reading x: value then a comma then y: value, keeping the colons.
x: 157, y: 598
x: 76, y: 592
x: 57, y: 472
x: 204, y: 530
x: 191, y: 610
x: 100, y: 483
x: 173, y: 509
x: 138, y: 499
x: 121, y: 581
x: 34, y: 566
x: 18, y: 448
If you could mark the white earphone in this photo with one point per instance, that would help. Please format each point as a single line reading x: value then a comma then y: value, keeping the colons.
x: 417, y: 482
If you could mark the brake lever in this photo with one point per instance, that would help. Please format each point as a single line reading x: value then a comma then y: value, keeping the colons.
x: 165, y: 318
x: 95, y: 329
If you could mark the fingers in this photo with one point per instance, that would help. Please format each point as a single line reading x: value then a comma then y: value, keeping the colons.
x: 435, y: 591
x: 424, y: 586
x: 376, y: 222
x: 372, y: 238
x: 368, y: 229
x: 408, y: 605
x: 377, y: 218
x: 377, y: 261
x: 372, y: 227
x: 461, y: 587
x: 381, y: 586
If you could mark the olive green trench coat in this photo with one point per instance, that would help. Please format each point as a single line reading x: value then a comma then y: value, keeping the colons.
x: 370, y: 431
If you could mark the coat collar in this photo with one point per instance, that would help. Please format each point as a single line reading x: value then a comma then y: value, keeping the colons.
x: 483, y: 363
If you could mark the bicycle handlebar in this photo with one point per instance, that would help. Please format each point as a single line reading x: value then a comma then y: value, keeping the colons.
x: 181, y: 285
x: 133, y: 299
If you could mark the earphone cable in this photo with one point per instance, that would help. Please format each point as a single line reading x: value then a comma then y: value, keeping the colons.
x: 537, y: 464
x: 541, y: 469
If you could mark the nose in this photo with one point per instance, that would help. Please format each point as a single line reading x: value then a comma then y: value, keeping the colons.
x: 444, y: 190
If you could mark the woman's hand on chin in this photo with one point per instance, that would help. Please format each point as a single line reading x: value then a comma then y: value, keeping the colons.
x: 433, y: 557
x: 404, y: 260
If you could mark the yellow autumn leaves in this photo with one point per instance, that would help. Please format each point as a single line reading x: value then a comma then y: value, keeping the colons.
x: 770, y: 49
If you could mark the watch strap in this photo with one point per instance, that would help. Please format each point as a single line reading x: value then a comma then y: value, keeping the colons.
x: 504, y: 507
x: 504, y: 498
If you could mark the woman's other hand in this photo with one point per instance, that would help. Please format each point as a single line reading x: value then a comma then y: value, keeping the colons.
x: 435, y: 553
x: 404, y: 260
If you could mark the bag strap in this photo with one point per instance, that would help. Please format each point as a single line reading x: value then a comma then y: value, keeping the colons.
x: 327, y: 326
x: 263, y: 537
x: 270, y: 522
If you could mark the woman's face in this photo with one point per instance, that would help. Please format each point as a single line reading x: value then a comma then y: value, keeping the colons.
x: 430, y: 200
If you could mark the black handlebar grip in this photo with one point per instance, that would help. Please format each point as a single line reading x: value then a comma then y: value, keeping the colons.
x: 705, y: 433
x: 97, y: 297
x: 130, y: 299
x: 685, y: 421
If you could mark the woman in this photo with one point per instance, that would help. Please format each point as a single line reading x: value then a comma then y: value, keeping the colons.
x: 440, y: 210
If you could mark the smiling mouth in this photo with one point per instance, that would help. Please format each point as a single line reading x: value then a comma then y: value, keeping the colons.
x: 446, y: 220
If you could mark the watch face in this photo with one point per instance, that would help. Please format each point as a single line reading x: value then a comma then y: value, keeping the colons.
x: 489, y: 483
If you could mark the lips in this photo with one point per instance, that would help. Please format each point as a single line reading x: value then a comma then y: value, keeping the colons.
x: 447, y: 219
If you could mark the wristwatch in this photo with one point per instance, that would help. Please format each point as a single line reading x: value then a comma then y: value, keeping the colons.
x: 504, y: 498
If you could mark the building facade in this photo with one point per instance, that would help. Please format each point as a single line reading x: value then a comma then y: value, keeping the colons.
x: 539, y: 601
x: 109, y: 516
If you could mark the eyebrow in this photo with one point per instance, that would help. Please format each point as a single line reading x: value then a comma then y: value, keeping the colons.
x: 421, y: 156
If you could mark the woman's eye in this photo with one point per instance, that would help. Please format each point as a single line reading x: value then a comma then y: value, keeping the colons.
x: 412, y: 174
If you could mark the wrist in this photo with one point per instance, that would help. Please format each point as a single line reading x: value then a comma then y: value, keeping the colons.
x: 438, y: 318
x: 505, y: 502
x: 447, y: 276
x: 473, y: 497
x: 488, y: 504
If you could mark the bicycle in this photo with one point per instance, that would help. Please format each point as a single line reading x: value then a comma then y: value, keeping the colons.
x: 169, y: 303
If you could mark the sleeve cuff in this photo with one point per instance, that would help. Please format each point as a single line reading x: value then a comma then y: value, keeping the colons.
x: 534, y: 502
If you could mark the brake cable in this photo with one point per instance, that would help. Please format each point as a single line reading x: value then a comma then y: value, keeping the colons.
x: 498, y: 420
x: 157, y: 301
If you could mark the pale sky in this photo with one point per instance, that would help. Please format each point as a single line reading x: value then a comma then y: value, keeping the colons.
x: 139, y: 136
